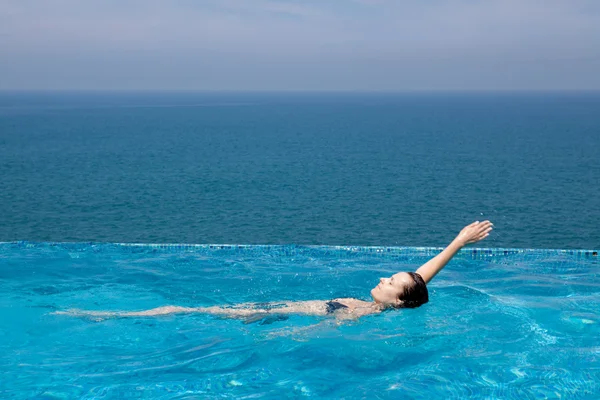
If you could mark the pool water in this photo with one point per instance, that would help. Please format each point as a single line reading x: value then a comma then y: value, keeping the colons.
x: 501, y: 323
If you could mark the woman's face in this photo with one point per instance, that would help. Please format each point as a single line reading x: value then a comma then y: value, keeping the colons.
x: 388, y: 289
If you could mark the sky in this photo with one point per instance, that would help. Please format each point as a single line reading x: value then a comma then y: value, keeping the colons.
x: 310, y: 45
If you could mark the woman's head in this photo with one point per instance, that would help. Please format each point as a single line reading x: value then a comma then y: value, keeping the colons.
x: 401, y: 290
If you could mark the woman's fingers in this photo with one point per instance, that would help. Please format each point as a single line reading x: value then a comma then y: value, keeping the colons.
x: 488, y: 229
x: 484, y: 226
x: 480, y: 224
x: 482, y: 230
x: 475, y: 232
x: 484, y: 235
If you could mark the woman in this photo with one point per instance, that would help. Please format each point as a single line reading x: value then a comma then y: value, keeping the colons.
x: 401, y: 290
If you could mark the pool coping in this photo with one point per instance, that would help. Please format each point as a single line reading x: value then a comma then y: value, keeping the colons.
x: 390, y: 250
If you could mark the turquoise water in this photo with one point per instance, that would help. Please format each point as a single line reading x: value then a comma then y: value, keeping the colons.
x: 308, y: 169
x: 328, y: 169
x: 501, y: 323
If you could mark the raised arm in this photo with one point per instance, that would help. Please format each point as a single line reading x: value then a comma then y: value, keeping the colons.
x: 469, y: 234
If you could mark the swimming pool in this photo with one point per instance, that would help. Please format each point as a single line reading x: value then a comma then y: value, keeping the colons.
x: 501, y: 323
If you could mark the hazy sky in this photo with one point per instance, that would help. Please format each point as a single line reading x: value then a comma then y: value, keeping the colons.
x: 300, y: 45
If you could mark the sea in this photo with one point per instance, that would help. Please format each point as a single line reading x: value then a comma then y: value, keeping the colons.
x: 300, y: 168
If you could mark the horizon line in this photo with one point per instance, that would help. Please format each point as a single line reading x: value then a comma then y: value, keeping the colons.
x: 300, y: 91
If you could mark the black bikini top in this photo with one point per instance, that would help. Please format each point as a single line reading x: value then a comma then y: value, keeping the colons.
x: 332, y: 305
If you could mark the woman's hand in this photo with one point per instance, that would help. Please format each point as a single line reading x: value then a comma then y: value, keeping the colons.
x: 474, y: 233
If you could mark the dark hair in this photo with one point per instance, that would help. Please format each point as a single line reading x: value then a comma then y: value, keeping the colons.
x: 416, y: 294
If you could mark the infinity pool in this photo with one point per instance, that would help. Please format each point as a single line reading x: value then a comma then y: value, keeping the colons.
x: 501, y: 323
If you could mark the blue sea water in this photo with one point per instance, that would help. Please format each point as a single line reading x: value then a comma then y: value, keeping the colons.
x: 501, y: 324
x: 332, y: 169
